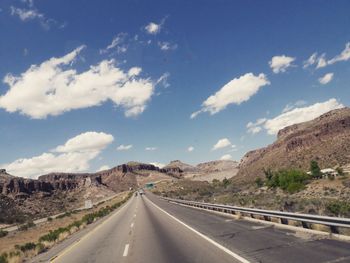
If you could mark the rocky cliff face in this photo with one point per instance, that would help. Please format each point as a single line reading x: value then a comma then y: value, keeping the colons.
x: 325, y: 139
x: 56, y: 192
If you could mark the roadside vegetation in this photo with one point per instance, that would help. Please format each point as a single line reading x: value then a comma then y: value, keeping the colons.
x: 291, y: 190
x: 46, y: 241
x: 288, y: 180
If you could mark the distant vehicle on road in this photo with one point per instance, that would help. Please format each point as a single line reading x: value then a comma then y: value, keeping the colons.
x: 141, y: 192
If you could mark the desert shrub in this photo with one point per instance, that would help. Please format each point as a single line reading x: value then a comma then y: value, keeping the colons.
x: 3, y: 233
x: 339, y: 208
x: 26, y: 246
x: 88, y: 219
x: 259, y: 182
x: 288, y: 180
x: 40, y: 247
x: 64, y: 215
x: 225, y: 182
x: 75, y: 224
x: 52, y: 236
x: 3, y: 258
x: 26, y: 226
x: 340, y: 171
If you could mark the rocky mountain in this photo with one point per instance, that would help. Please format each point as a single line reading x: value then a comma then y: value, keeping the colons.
x: 177, y: 164
x: 325, y: 139
x: 207, y: 171
x: 56, y: 192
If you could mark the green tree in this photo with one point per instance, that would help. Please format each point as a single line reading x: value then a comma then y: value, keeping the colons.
x: 315, y: 169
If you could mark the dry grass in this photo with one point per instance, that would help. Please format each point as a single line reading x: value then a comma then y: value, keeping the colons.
x: 8, y: 243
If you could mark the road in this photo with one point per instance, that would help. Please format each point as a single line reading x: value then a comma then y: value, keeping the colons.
x: 148, y: 229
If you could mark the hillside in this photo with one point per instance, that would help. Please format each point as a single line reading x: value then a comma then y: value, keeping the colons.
x: 57, y: 192
x: 207, y: 171
x: 325, y: 139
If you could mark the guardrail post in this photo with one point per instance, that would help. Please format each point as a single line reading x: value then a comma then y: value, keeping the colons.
x: 334, y: 229
x: 305, y: 225
x: 267, y: 218
x: 284, y: 221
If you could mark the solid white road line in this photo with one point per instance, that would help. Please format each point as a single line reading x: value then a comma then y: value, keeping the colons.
x: 232, y: 254
x: 88, y: 234
x: 126, y: 250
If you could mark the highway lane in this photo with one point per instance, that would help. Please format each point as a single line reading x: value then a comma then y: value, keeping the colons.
x: 140, y: 232
x: 148, y: 229
x: 259, y: 242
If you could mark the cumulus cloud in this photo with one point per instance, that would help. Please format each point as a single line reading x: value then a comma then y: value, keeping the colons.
x: 160, y: 165
x: 123, y: 147
x: 226, y: 157
x: 190, y: 149
x: 326, y: 78
x: 280, y: 63
x: 103, y: 168
x: 298, y: 115
x: 236, y: 91
x: 222, y: 143
x: 165, y: 46
x: 73, y: 156
x: 151, y: 148
x: 55, y: 87
x: 154, y: 28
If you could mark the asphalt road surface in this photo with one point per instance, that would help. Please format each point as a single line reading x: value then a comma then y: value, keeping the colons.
x: 150, y: 230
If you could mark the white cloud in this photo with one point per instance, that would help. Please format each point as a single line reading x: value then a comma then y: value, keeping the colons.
x: 190, y: 149
x: 280, y: 63
x: 291, y: 106
x: 163, y: 80
x: 73, y: 156
x: 326, y: 78
x: 123, y: 147
x: 315, y: 59
x: 299, y: 115
x: 222, y: 143
x: 343, y: 56
x: 160, y: 165
x: 117, y: 44
x: 165, y: 46
x: 226, y: 157
x: 103, y: 168
x: 26, y: 14
x: 321, y: 62
x: 151, y: 148
x: 31, y: 13
x: 254, y: 128
x: 153, y: 28
x: 55, y: 87
x: 85, y: 142
x: 236, y: 91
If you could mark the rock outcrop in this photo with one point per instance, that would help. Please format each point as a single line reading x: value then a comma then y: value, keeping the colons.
x: 325, y: 139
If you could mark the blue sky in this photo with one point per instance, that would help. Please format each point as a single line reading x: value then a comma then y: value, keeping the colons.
x: 81, y: 78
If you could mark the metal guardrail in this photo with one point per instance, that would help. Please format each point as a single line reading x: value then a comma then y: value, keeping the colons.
x: 306, y: 220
